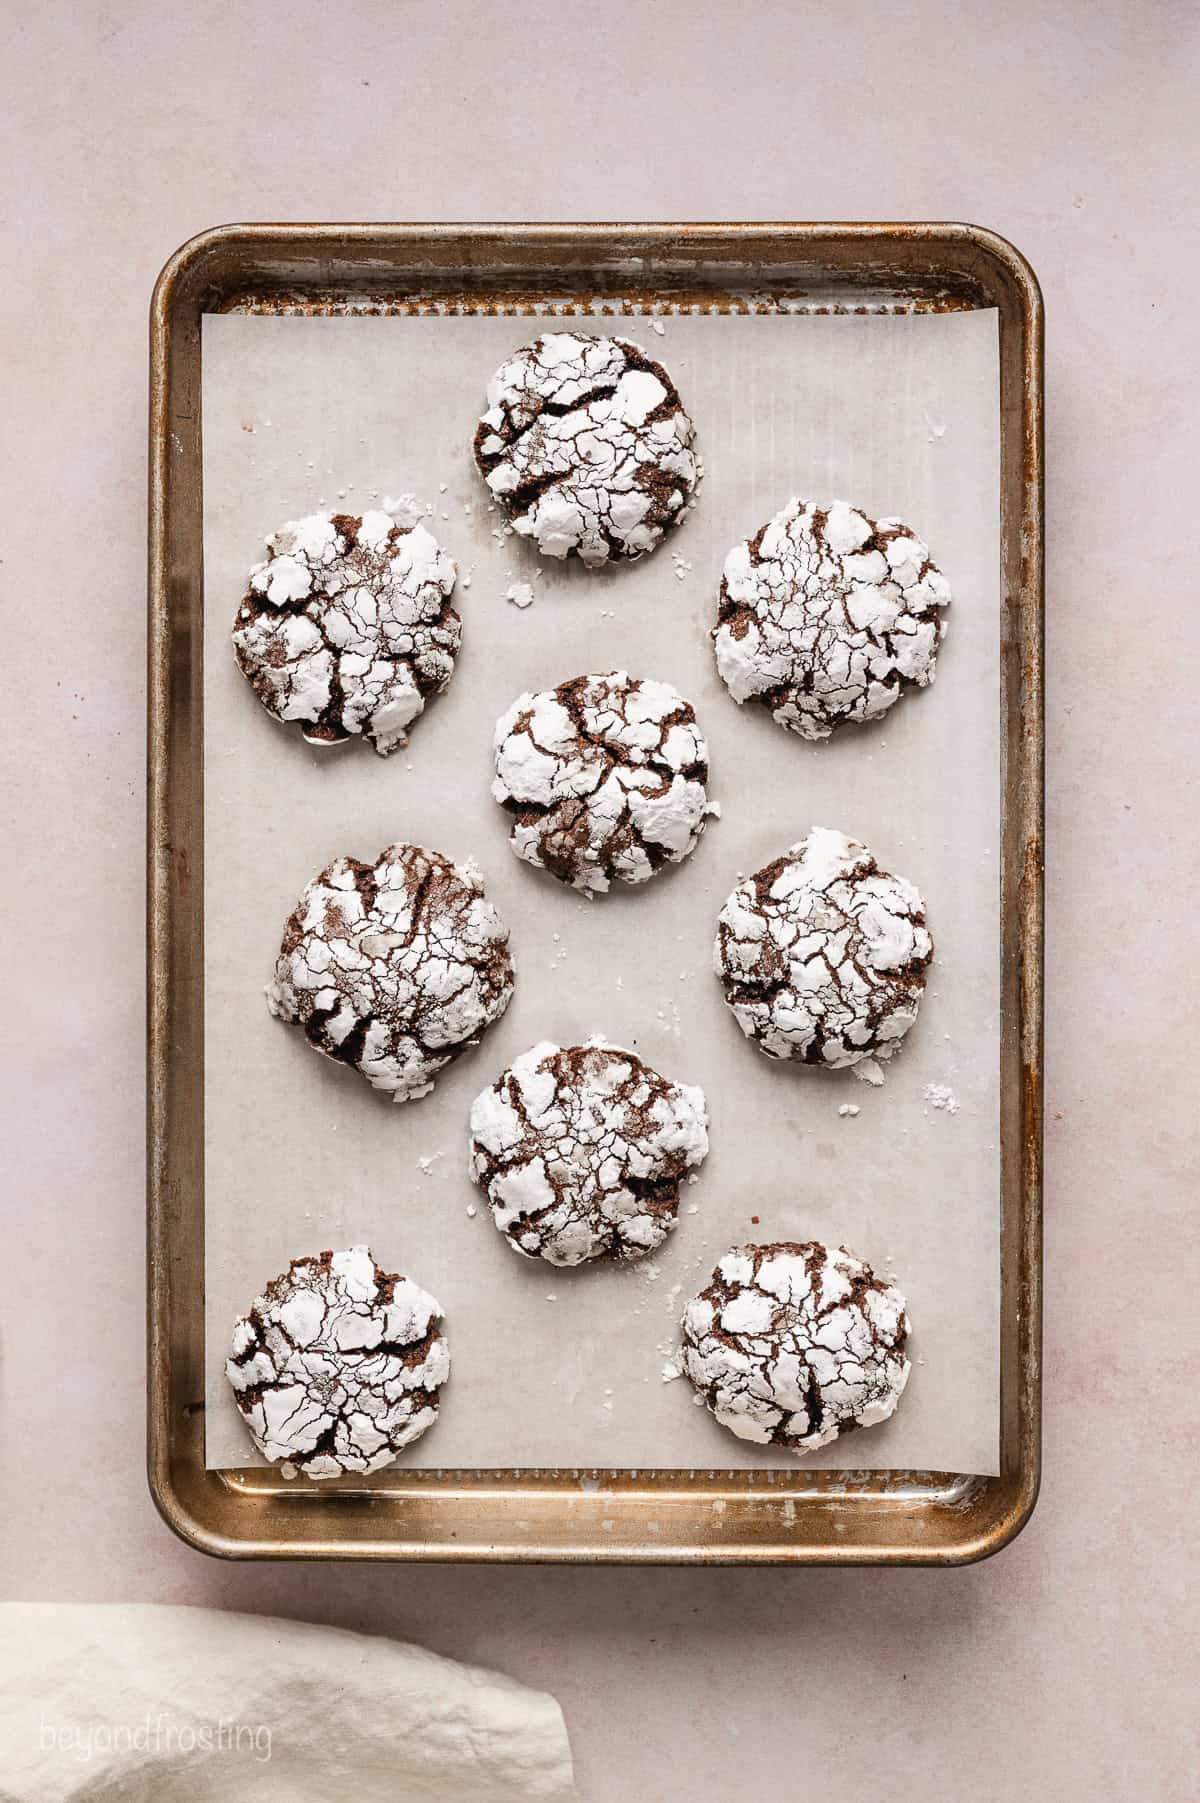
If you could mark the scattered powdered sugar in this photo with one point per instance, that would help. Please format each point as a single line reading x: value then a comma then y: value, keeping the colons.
x: 407, y: 509
x: 339, y: 1365
x: 520, y: 594
x: 940, y: 1096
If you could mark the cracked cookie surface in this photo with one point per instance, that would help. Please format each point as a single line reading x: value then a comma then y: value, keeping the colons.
x: 347, y: 627
x: 586, y: 445
x: 822, y: 955
x: 794, y: 1343
x: 395, y: 967
x: 827, y: 616
x: 338, y: 1365
x: 581, y: 1151
x: 605, y: 778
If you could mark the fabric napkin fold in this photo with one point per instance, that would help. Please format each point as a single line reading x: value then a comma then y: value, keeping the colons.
x: 145, y: 1703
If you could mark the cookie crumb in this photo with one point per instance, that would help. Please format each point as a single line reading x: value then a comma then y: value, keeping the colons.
x: 941, y: 1097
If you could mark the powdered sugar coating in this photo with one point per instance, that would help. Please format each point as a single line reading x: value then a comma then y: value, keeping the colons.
x: 605, y: 777
x: 338, y: 1366
x: 792, y: 1344
x: 827, y: 616
x: 581, y: 1150
x: 394, y: 967
x: 823, y: 955
x: 586, y: 444
x: 347, y: 627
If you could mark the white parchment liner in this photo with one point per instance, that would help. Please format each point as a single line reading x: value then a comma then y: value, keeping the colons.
x: 560, y: 1368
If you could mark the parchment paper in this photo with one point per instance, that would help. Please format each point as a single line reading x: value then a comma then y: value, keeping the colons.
x: 899, y: 415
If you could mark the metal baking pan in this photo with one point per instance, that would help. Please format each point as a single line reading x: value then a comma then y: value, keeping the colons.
x: 785, y: 1517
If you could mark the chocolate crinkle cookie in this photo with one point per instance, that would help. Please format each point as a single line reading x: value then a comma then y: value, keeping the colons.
x: 822, y: 955
x: 347, y: 627
x: 586, y: 444
x: 792, y: 1344
x: 338, y: 1366
x: 395, y: 967
x: 827, y: 616
x: 581, y: 1150
x: 604, y: 777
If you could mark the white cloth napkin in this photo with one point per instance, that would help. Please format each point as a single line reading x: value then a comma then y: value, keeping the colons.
x: 150, y: 1704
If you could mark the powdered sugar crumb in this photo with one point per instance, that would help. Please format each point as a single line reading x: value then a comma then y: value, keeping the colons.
x: 942, y: 1097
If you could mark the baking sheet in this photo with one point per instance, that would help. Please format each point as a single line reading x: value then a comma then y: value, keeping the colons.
x: 561, y: 1368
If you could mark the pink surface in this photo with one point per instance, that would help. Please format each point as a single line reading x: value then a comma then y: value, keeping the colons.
x: 1062, y: 1669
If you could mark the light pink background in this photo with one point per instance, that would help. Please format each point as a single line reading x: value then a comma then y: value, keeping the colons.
x: 1063, y: 1668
